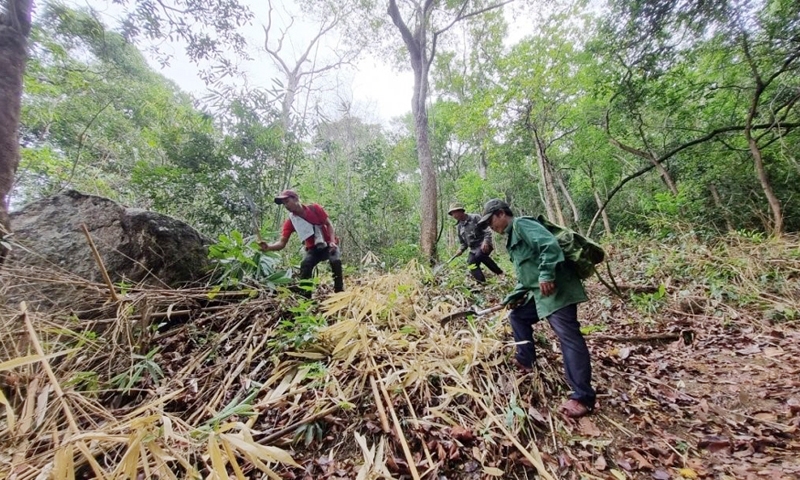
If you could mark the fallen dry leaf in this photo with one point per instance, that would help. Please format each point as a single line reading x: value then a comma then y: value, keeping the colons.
x: 462, y: 434
x: 617, y: 474
x: 642, y: 462
x: 766, y: 416
x: 688, y: 473
x: 661, y: 475
x: 751, y: 350
x: 600, y: 464
x: 587, y: 427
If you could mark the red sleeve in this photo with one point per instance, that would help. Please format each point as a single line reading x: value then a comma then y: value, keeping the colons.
x: 288, y: 228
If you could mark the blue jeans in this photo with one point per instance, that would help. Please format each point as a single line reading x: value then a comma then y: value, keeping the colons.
x: 577, y: 365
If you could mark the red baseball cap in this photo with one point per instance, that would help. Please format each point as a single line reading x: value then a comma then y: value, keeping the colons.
x: 284, y: 195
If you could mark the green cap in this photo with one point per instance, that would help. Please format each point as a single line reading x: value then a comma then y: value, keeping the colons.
x: 489, y: 209
x: 454, y: 207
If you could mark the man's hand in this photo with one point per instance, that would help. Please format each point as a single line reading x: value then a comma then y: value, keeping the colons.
x: 332, y: 247
x: 547, y: 288
x: 263, y: 246
x: 515, y: 303
x: 486, y: 248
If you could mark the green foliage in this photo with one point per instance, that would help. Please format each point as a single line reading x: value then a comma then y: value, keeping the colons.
x: 239, y: 261
x: 87, y: 382
x: 650, y: 303
x: 299, y: 330
x: 238, y: 406
x: 142, y: 364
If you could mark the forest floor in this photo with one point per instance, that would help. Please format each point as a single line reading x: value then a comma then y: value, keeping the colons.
x: 697, y: 367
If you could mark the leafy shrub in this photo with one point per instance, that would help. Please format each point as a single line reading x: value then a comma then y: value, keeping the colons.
x: 240, y: 261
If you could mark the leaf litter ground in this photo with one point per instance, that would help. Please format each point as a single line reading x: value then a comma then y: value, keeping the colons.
x: 697, y: 372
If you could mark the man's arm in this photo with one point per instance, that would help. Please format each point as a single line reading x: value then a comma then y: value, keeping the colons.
x: 487, y: 246
x: 280, y: 244
x: 331, y: 230
x: 462, y: 239
x: 550, y: 253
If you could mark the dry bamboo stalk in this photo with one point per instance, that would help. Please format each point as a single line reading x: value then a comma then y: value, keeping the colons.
x: 416, y: 424
x: 379, y: 404
x: 114, y: 297
x: 73, y: 425
x: 403, y: 442
x: 48, y: 370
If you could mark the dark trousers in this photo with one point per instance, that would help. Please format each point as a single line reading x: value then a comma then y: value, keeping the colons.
x: 474, y: 264
x: 316, y: 255
x: 564, y: 321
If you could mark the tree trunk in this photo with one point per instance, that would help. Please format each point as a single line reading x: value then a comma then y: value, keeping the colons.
x: 418, y: 51
x: 662, y: 170
x: 428, y: 190
x: 552, y: 204
x: 599, y: 202
x: 483, y: 164
x: 718, y: 203
x: 575, y: 215
x: 758, y: 160
x: 15, y: 26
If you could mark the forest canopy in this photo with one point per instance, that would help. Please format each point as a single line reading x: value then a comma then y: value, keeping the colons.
x: 646, y: 116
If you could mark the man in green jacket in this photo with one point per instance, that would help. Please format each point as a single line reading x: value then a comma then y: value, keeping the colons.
x: 547, y: 287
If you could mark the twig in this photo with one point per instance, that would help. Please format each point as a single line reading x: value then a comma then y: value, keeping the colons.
x: 283, y: 431
x: 114, y: 297
x: 661, y: 337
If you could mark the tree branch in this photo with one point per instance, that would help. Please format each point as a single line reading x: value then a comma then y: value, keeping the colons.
x: 677, y: 150
x: 397, y: 19
x: 462, y: 16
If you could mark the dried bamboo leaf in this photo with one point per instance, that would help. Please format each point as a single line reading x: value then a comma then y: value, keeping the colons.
x: 217, y: 463
x: 263, y: 452
x: 10, y: 418
x: 34, y: 358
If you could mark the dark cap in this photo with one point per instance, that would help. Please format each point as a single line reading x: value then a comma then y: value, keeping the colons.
x: 284, y: 195
x: 490, y: 208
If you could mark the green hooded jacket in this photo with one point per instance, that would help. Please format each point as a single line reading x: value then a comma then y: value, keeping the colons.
x: 538, y: 258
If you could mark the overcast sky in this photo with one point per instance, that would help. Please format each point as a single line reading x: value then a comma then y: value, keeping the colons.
x: 376, y: 91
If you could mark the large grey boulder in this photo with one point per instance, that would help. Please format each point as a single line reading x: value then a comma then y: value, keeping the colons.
x: 136, y: 246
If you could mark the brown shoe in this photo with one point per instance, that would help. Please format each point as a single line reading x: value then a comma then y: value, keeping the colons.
x: 575, y: 409
x: 522, y: 368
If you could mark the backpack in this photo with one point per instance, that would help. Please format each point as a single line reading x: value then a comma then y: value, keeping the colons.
x: 581, y: 252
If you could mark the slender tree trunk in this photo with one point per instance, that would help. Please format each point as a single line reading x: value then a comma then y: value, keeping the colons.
x: 665, y: 175
x: 599, y: 202
x: 575, y: 215
x: 482, y: 164
x: 761, y: 171
x: 552, y: 203
x: 718, y: 203
x: 15, y: 26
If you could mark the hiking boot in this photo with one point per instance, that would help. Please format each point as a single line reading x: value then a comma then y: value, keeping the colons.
x: 522, y: 368
x: 575, y: 409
